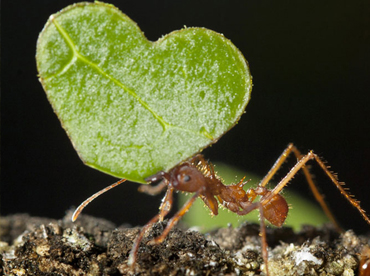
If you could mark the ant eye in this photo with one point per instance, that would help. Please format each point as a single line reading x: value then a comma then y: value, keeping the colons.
x: 186, y: 178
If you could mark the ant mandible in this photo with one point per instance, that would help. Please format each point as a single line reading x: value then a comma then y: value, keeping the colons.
x: 197, y: 176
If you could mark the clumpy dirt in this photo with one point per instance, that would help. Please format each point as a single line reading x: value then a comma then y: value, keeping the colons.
x: 92, y: 246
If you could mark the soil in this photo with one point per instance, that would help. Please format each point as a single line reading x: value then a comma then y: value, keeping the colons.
x: 93, y: 246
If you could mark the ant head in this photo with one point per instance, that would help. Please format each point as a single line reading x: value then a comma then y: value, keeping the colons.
x: 187, y: 178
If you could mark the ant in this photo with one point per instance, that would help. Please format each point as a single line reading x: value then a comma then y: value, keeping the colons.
x: 197, y: 176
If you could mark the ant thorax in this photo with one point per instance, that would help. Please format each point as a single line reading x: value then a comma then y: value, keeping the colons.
x: 197, y: 175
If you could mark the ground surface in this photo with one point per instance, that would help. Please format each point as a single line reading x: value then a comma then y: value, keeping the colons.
x: 91, y: 246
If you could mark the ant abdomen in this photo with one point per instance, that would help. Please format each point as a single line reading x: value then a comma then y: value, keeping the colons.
x: 276, y: 210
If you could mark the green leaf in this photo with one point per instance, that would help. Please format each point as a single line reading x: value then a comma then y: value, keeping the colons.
x: 301, y: 211
x: 132, y: 107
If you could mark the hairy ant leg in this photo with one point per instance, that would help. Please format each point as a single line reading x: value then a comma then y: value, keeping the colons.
x: 79, y: 209
x: 154, y: 190
x: 164, y: 210
x: 249, y: 207
x: 273, y: 207
x: 173, y: 221
x: 194, y: 176
x: 263, y: 239
x: 301, y: 165
x: 318, y: 196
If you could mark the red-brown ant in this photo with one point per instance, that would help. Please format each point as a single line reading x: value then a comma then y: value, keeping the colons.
x: 197, y: 176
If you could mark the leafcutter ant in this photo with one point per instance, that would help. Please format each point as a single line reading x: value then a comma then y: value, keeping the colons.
x: 197, y: 176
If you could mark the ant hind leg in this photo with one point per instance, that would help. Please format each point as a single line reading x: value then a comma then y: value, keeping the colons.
x: 277, y: 165
x: 263, y: 238
x: 319, y: 197
x: 301, y: 165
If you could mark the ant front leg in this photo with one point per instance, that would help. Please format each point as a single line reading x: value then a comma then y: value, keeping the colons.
x: 152, y: 190
x: 164, y: 210
x: 173, y: 221
x: 155, y: 190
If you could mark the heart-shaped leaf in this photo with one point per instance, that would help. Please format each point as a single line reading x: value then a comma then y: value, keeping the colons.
x: 132, y: 107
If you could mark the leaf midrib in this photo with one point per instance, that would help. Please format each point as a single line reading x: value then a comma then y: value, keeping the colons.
x: 77, y: 55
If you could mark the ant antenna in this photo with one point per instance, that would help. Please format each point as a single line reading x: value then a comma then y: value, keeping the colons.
x: 91, y: 198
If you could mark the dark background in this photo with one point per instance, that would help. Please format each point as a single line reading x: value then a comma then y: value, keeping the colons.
x: 310, y: 61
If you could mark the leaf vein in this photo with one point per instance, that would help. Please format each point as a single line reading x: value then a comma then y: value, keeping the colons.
x: 76, y: 54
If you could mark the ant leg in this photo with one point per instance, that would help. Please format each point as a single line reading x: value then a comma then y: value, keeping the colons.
x: 318, y: 196
x: 155, y: 190
x: 263, y: 238
x: 247, y: 210
x: 173, y: 221
x: 300, y: 165
x: 152, y: 190
x: 277, y: 165
x: 164, y: 210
